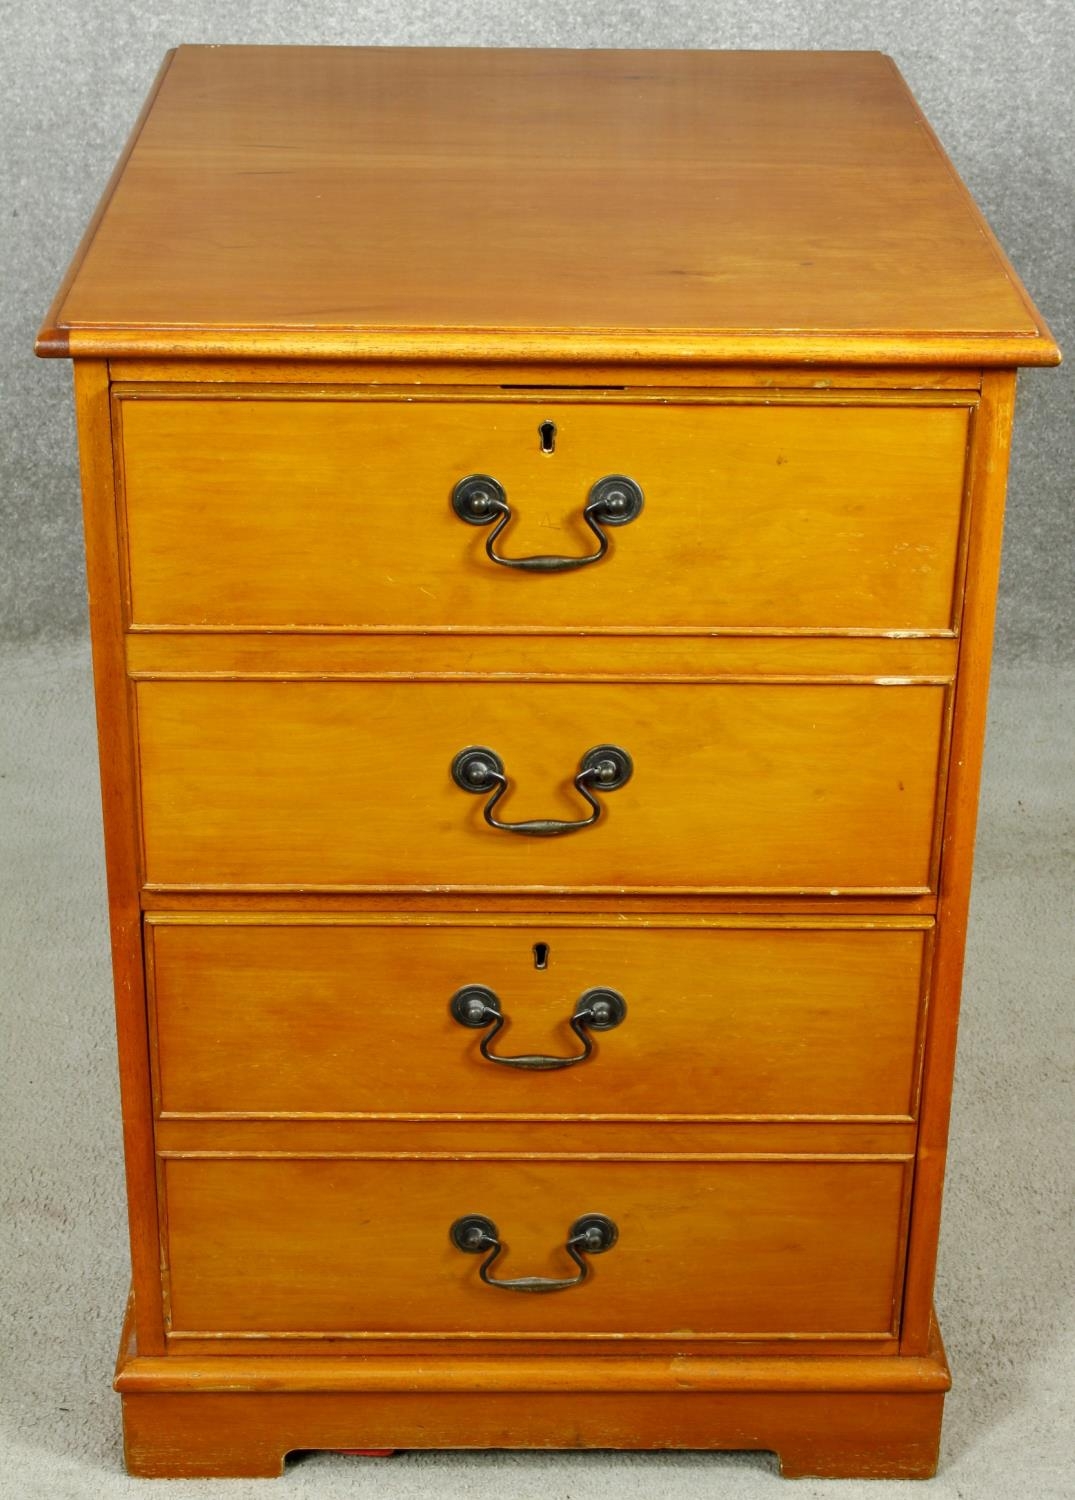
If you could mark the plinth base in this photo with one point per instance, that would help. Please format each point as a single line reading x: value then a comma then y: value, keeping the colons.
x: 239, y: 1417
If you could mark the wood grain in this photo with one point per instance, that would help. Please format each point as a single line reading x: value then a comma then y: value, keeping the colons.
x: 119, y: 800
x: 451, y: 655
x: 191, y: 900
x: 485, y: 373
x: 316, y: 293
x: 337, y: 1019
x: 837, y: 1414
x: 672, y: 1133
x: 802, y: 1247
x: 803, y: 515
x: 602, y: 205
x: 348, y: 784
x: 52, y: 340
x: 828, y: 1435
x: 989, y: 484
x: 595, y: 1371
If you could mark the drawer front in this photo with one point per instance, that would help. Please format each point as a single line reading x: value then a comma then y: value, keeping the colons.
x: 778, y: 787
x: 705, y: 1247
x: 338, y: 1018
x: 801, y: 516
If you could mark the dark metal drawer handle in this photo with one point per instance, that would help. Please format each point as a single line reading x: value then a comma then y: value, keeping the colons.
x: 593, y: 1234
x: 605, y: 768
x: 613, y: 501
x: 476, y: 1005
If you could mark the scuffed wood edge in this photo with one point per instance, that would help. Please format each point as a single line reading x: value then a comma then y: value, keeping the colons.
x: 122, y: 855
x: 54, y: 337
x: 989, y: 481
x: 697, y: 348
x: 517, y: 1373
x: 1044, y: 332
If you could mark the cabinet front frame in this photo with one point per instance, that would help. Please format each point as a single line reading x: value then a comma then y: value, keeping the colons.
x: 109, y: 621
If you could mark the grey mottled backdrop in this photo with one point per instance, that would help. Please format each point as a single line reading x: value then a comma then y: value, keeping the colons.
x: 994, y: 77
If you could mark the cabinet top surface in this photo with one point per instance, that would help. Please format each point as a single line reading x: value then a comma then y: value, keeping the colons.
x: 454, y: 204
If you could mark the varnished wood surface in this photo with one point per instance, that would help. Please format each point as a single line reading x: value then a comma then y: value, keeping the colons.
x: 316, y: 202
x: 850, y: 1366
x: 190, y: 900
x: 530, y: 656
x: 834, y: 1435
x: 781, y: 788
x: 113, y: 692
x: 989, y: 482
x: 840, y: 1413
x: 639, y: 375
x: 593, y: 1372
x: 419, y: 1354
x: 777, y: 1247
x: 171, y: 1442
x: 342, y: 1019
x: 325, y: 288
x: 559, y: 1136
x: 316, y: 509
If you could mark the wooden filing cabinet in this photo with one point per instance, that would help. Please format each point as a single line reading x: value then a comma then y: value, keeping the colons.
x: 542, y: 514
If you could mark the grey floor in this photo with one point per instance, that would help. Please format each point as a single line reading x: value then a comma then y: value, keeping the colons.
x: 1006, y: 1277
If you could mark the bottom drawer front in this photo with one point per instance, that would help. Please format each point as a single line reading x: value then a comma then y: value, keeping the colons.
x: 771, y: 1247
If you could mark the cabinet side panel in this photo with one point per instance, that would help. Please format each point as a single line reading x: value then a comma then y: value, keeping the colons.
x: 122, y: 860
x: 991, y: 445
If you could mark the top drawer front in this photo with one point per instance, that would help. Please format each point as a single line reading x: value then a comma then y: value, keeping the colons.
x: 258, y: 510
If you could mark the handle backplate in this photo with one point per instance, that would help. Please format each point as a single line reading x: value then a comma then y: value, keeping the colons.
x: 476, y: 1006
x: 480, y: 500
x: 591, y: 1234
x: 479, y: 770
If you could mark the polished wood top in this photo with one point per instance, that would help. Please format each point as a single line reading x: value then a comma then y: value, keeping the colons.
x: 460, y: 204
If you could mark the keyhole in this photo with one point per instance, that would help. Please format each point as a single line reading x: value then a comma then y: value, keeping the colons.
x: 547, y: 433
x: 541, y: 955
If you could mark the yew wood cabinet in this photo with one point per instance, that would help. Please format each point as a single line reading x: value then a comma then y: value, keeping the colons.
x: 543, y: 514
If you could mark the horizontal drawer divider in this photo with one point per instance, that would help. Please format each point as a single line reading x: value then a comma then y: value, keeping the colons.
x: 661, y: 920
x: 938, y: 393
x: 569, y: 1156
x: 525, y: 1138
x: 359, y: 1336
x: 671, y: 679
x: 521, y: 1116
x: 179, y: 651
x: 850, y: 892
x: 334, y: 905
